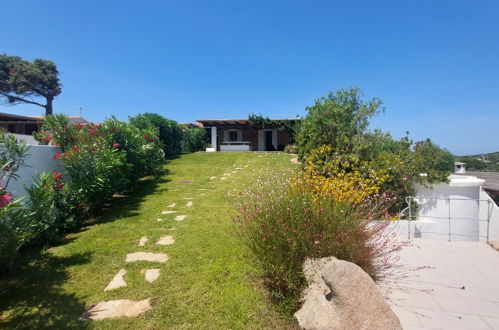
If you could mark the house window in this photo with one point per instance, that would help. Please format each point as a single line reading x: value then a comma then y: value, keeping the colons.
x: 233, y: 136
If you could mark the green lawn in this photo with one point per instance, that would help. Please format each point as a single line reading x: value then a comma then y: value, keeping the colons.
x: 210, y: 281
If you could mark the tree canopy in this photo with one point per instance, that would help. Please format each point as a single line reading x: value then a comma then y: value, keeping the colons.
x: 23, y: 81
x: 170, y: 132
x: 337, y: 119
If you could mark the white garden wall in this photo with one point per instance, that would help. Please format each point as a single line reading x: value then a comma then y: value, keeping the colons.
x: 39, y: 159
x: 489, y: 210
x: 473, y: 214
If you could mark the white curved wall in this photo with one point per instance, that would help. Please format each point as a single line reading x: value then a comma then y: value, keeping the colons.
x: 457, y: 201
x: 39, y: 159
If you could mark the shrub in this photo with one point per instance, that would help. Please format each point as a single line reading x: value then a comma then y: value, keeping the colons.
x: 99, y: 161
x: 342, y: 177
x: 143, y: 150
x: 194, y: 139
x: 15, y: 229
x: 170, y: 132
x: 284, y: 222
x: 291, y: 149
x: 51, y: 209
x: 103, y: 159
x: 338, y: 119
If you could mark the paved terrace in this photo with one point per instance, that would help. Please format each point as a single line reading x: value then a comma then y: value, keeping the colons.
x: 459, y: 290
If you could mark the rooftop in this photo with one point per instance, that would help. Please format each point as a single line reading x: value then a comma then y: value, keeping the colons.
x: 8, y: 117
x: 491, y: 179
x: 234, y: 121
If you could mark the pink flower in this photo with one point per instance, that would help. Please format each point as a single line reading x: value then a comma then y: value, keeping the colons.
x: 57, y: 155
x: 46, y: 139
x: 317, y: 242
x: 57, y: 175
x: 5, y: 199
x: 115, y: 145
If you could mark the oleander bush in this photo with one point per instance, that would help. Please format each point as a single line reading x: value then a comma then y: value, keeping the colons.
x: 169, y: 131
x: 99, y: 160
x: 15, y: 224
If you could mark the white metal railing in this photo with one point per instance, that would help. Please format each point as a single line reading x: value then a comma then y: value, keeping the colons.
x: 418, y: 200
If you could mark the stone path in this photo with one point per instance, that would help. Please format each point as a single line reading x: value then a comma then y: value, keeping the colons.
x: 180, y: 217
x: 459, y: 289
x: 117, y: 281
x: 146, y: 256
x: 143, y: 241
x: 166, y: 240
x: 130, y: 308
x: 117, y: 308
x: 150, y: 275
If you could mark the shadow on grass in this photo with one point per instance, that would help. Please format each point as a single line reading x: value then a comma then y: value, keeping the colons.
x: 34, y: 299
x: 128, y: 205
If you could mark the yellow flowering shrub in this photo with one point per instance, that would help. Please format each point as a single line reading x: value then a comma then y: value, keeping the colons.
x: 340, y: 177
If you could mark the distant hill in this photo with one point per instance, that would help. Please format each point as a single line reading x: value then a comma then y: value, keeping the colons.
x: 481, y: 162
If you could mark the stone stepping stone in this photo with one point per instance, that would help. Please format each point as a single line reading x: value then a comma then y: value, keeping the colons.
x: 117, y: 308
x: 223, y: 178
x: 189, y: 204
x: 146, y: 256
x: 165, y: 240
x: 117, y: 281
x: 172, y: 205
x: 213, y: 177
x: 168, y: 212
x: 150, y: 275
x: 159, y: 219
x: 143, y: 241
x: 180, y: 217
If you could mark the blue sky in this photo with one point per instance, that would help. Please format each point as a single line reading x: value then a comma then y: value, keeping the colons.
x: 435, y: 64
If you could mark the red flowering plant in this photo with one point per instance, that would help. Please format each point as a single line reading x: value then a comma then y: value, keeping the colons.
x: 51, y: 205
x: 15, y: 229
x: 103, y: 159
x: 56, y: 130
x: 142, y: 147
